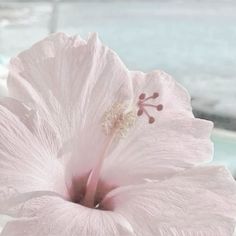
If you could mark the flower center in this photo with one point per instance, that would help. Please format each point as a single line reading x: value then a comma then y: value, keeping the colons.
x: 115, y: 124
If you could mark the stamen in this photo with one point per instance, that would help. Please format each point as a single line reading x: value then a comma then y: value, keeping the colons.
x: 119, y: 119
x: 141, y: 106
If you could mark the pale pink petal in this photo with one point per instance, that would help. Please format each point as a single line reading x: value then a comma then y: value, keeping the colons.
x: 72, y: 83
x: 175, y: 140
x: 55, y: 216
x: 159, y: 153
x: 45, y: 133
x: 27, y: 161
x: 201, y: 201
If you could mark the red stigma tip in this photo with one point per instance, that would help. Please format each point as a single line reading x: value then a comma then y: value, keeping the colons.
x: 142, y: 96
x: 143, y: 106
x: 140, y: 112
x: 155, y: 95
x: 151, y: 120
x: 160, y: 107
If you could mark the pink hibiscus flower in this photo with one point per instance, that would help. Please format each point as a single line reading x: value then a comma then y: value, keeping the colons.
x: 90, y: 148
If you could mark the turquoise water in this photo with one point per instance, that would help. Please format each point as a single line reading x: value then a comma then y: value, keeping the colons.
x: 225, y: 149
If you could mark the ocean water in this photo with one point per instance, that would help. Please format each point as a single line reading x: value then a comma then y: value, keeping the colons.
x: 195, y: 41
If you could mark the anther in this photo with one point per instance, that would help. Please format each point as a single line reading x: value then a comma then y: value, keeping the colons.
x: 118, y: 119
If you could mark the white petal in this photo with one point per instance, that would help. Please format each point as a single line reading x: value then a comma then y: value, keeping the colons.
x: 55, y: 216
x: 46, y: 134
x: 72, y: 83
x: 159, y: 152
x: 196, y: 202
x: 26, y: 164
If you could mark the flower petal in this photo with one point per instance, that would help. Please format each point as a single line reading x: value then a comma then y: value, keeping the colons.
x: 26, y: 162
x: 62, y: 218
x: 201, y: 201
x: 159, y: 152
x: 72, y: 83
x: 46, y: 134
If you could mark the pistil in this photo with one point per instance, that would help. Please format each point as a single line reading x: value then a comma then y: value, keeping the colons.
x: 91, y: 188
x: 116, y: 123
x: 142, y: 105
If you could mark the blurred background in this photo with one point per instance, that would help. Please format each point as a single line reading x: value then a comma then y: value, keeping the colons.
x: 193, y: 40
